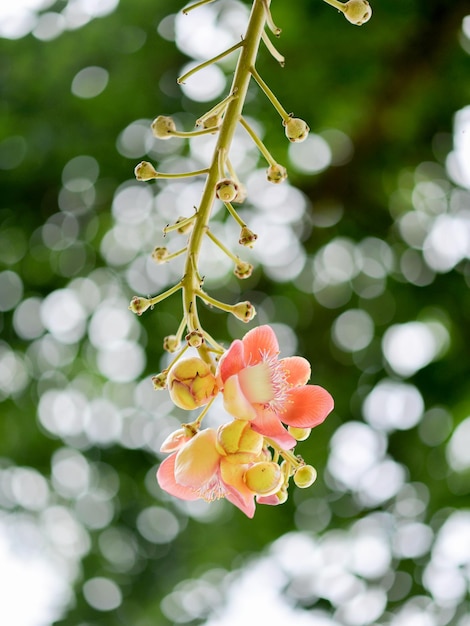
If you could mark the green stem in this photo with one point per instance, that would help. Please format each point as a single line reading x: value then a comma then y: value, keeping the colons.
x: 261, y: 147
x: 274, y: 101
x: 246, y: 60
x: 201, y: 66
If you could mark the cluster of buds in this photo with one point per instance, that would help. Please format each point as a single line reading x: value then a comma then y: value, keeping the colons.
x: 249, y: 459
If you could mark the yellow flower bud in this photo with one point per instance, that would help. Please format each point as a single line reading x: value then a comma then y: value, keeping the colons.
x: 357, y: 12
x: 243, y: 270
x: 159, y: 255
x: 191, y: 383
x: 171, y: 343
x: 276, y: 173
x: 296, y: 129
x: 159, y: 380
x: 226, y: 190
x: 299, y: 433
x: 264, y: 478
x: 163, y: 127
x: 185, y: 228
x: 194, y: 339
x: 244, y: 311
x: 139, y: 305
x: 305, y: 476
x: 247, y: 237
x: 239, y: 442
x: 145, y: 171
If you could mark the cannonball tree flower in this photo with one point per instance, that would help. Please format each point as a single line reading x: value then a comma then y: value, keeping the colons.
x: 268, y: 391
x: 202, y: 468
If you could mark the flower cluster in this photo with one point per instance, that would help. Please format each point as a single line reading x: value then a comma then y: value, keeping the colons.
x: 249, y: 459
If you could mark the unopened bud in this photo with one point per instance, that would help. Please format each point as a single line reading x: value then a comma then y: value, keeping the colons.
x: 186, y: 226
x: 213, y: 121
x: 239, y: 442
x: 191, y: 383
x: 276, y: 173
x: 194, y: 339
x: 171, y: 343
x: 139, y: 305
x: 159, y: 255
x: 163, y: 127
x: 264, y: 478
x: 244, y: 311
x: 247, y: 237
x: 357, y: 12
x: 299, y: 433
x: 305, y: 476
x: 296, y: 129
x: 145, y: 171
x: 159, y: 380
x: 243, y: 270
x: 226, y: 190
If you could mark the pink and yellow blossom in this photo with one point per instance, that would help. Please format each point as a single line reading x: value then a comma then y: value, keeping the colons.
x: 197, y: 469
x: 268, y: 391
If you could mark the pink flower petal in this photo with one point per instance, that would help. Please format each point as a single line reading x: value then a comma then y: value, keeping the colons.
x: 259, y: 342
x: 166, y: 480
x: 307, y: 406
x: 198, y: 460
x: 297, y: 370
x: 232, y: 361
x: 267, y: 423
x: 273, y: 500
x: 237, y: 491
x: 235, y: 402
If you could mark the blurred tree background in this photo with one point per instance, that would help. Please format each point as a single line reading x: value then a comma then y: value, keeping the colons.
x: 362, y: 266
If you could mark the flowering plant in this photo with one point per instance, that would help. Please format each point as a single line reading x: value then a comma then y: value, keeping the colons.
x: 250, y: 458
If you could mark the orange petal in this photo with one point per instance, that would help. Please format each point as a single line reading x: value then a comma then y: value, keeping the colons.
x: 297, y: 370
x: 232, y: 361
x: 198, y: 460
x: 307, y: 406
x: 166, y: 480
x: 259, y: 342
x: 237, y: 491
x: 235, y: 402
x: 267, y: 423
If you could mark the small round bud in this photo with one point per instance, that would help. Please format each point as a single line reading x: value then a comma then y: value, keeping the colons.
x: 186, y: 227
x: 226, y: 190
x: 244, y: 311
x: 213, y: 121
x: 296, y: 129
x: 305, y: 476
x: 160, y: 255
x: 163, y: 127
x: 159, y: 380
x: 276, y: 173
x: 282, y: 495
x: 264, y: 478
x: 145, y: 171
x: 243, y: 270
x: 299, y: 433
x: 171, y: 343
x: 191, y: 383
x: 357, y: 12
x: 139, y: 305
x: 247, y: 237
x: 194, y: 339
